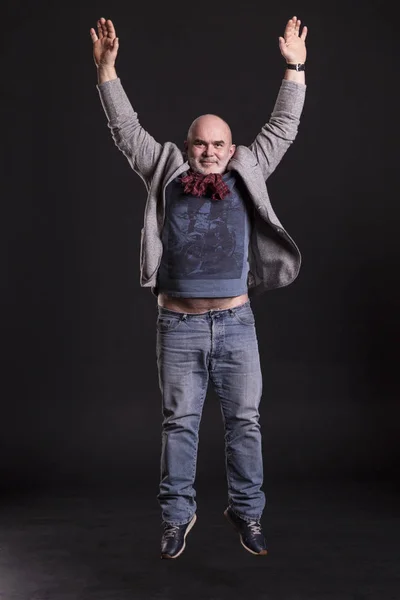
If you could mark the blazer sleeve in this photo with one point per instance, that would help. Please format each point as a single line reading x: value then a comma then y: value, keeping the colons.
x: 139, y: 147
x: 280, y: 131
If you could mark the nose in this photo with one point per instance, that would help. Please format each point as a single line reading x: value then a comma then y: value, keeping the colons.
x: 208, y: 150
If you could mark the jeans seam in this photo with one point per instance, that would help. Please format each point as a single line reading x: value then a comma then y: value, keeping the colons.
x: 194, y: 464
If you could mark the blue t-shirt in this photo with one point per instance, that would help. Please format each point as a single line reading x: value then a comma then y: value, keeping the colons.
x: 205, y: 243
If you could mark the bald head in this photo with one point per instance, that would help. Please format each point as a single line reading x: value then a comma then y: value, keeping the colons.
x: 210, y: 121
x: 209, y: 144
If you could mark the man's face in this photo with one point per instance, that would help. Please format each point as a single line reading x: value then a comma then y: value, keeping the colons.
x: 209, y: 145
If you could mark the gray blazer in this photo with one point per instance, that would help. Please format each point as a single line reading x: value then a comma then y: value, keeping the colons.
x: 274, y: 258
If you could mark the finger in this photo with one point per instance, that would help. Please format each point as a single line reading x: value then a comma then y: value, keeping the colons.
x: 99, y: 30
x: 304, y: 33
x: 93, y: 35
x: 297, y: 26
x: 103, y: 26
x: 289, y: 27
x: 289, y: 24
x: 110, y: 29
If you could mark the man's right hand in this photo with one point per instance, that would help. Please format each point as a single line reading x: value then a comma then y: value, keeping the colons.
x: 105, y: 44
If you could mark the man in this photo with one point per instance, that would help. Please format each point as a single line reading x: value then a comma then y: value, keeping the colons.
x: 210, y: 239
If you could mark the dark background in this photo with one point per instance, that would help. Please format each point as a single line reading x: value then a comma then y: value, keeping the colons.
x: 80, y: 400
x: 80, y: 421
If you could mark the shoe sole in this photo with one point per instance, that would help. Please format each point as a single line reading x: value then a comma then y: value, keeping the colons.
x: 262, y: 553
x: 191, y: 523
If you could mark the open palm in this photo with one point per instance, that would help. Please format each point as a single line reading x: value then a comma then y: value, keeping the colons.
x: 105, y: 43
x: 292, y: 44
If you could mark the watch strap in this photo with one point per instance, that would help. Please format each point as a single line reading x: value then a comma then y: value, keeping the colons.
x: 296, y: 67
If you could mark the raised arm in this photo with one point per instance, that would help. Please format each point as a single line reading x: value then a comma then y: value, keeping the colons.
x: 139, y: 147
x: 280, y: 131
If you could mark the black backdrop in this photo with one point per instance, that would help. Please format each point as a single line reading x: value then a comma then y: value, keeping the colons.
x: 79, y: 391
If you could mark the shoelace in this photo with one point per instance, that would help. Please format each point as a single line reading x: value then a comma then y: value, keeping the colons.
x: 255, y: 527
x: 171, y: 531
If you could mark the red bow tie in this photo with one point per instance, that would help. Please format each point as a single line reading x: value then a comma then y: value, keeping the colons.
x: 197, y: 184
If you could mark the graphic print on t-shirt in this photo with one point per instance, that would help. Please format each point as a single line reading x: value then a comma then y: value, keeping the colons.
x: 206, y: 237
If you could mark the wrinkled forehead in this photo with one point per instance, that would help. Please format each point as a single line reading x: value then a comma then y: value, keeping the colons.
x: 210, y: 129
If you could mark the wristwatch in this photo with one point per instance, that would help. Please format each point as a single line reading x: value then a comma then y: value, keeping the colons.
x: 297, y: 67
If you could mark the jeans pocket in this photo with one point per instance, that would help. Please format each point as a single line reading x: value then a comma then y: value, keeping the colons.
x: 244, y: 316
x: 167, y: 323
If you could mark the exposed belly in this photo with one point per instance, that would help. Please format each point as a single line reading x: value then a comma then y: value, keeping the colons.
x: 199, y: 305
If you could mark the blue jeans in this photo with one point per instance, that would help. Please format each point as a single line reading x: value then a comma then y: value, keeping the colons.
x: 221, y: 346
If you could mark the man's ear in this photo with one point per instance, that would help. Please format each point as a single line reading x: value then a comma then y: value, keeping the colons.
x: 185, y: 144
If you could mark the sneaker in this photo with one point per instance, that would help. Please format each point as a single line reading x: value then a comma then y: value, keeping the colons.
x: 250, y: 533
x: 173, y: 538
